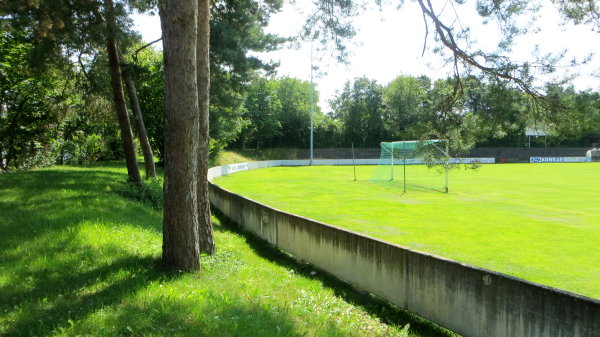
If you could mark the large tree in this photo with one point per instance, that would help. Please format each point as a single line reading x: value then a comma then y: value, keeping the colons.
x: 237, y: 34
x: 262, y: 108
x: 404, y: 100
x: 294, y: 96
x: 205, y: 233
x: 33, y: 106
x: 359, y: 108
x: 179, y: 21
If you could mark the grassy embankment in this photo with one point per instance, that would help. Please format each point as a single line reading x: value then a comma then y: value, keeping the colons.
x: 540, y: 222
x: 240, y: 156
x: 79, y: 259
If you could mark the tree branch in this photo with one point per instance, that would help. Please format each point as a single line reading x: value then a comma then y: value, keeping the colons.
x: 426, y: 34
x: 83, y: 68
x: 134, y: 55
x: 447, y: 38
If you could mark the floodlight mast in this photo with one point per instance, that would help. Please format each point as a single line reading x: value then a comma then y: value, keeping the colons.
x: 312, y: 109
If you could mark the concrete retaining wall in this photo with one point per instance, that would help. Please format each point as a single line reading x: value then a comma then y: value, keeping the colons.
x: 470, y: 301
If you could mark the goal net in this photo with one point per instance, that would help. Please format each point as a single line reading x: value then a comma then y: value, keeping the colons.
x: 414, y: 165
x: 593, y: 155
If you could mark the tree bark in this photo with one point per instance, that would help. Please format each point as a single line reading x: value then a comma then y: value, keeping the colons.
x: 180, y: 223
x: 118, y: 96
x: 141, y: 128
x: 2, y: 167
x: 124, y: 124
x: 205, y: 230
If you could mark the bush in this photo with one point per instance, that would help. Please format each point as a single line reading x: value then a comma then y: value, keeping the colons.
x: 83, y: 149
x: 149, y: 192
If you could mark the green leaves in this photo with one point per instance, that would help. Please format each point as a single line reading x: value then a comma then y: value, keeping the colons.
x: 359, y: 107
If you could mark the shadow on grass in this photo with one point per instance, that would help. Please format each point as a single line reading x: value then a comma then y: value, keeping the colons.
x: 66, y: 268
x: 63, y: 270
x: 53, y: 302
x: 38, y: 202
x: 49, y: 277
x: 387, y: 312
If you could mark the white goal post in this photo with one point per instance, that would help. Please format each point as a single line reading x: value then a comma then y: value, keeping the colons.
x: 432, y: 152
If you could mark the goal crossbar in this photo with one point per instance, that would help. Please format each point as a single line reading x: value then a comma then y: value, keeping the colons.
x: 408, y: 148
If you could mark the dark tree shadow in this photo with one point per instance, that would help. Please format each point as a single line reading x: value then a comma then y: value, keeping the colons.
x: 63, y: 199
x: 52, y: 278
x: 55, y: 282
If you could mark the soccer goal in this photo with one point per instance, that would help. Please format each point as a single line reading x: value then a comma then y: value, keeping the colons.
x: 427, y: 162
x: 593, y: 155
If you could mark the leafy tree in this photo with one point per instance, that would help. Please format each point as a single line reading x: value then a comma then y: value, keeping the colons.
x: 588, y: 105
x: 578, y: 119
x: 499, y: 113
x: 33, y: 106
x: 262, y: 107
x: 92, y: 119
x: 404, y: 99
x: 294, y: 116
x: 237, y: 27
x: 328, y: 132
x: 359, y: 108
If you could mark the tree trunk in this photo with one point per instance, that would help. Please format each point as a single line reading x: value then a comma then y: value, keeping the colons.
x: 205, y: 230
x: 121, y: 108
x: 180, y: 224
x: 2, y: 167
x: 141, y: 128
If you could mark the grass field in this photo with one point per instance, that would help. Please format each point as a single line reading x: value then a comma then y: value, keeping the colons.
x: 539, y: 222
x: 78, y: 259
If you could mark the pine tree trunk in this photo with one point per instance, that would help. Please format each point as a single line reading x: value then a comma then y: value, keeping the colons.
x: 141, y: 128
x: 205, y: 230
x: 118, y: 97
x: 180, y: 224
x: 2, y: 167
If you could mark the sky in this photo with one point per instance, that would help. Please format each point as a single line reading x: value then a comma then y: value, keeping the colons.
x: 389, y: 43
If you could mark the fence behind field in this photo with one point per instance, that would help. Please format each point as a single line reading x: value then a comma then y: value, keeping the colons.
x: 502, y: 154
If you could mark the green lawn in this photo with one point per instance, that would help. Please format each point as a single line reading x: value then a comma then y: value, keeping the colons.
x: 539, y: 222
x: 78, y: 259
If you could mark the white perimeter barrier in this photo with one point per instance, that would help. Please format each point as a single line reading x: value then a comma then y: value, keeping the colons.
x: 228, y: 169
x: 539, y: 160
